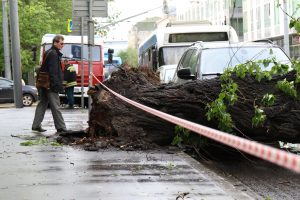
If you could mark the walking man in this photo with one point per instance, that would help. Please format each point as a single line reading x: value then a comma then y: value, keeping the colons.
x: 69, y: 82
x: 52, y: 66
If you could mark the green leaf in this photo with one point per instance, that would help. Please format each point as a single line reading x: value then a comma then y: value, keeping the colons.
x: 177, y: 140
x: 287, y: 87
x: 297, y: 26
x: 268, y: 99
x: 259, y: 117
x: 292, y: 23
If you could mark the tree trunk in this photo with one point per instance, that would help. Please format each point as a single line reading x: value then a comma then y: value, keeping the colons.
x: 112, y: 117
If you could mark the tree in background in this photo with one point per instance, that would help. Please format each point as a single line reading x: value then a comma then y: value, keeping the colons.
x: 113, y: 15
x: 36, y: 18
x: 129, y: 57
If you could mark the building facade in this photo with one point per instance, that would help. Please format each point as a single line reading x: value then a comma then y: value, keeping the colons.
x: 218, y: 12
x: 264, y: 19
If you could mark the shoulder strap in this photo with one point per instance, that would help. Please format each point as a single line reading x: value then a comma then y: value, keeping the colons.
x: 44, y: 60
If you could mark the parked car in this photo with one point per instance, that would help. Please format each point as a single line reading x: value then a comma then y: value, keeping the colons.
x: 204, y: 60
x: 30, y: 93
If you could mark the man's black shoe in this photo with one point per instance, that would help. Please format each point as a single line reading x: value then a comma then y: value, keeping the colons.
x: 39, y: 129
x: 61, y: 130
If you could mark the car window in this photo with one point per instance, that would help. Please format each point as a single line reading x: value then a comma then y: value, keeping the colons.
x: 180, y: 63
x: 216, y: 59
x: 186, y: 58
x: 193, y: 61
x: 171, y: 55
x: 5, y: 83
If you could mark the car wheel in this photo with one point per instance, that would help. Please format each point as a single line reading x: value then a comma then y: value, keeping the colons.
x: 27, y: 100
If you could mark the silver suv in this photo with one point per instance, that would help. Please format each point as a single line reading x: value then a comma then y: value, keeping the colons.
x: 204, y: 60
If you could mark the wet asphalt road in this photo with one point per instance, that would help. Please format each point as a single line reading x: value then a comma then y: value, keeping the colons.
x: 65, y: 172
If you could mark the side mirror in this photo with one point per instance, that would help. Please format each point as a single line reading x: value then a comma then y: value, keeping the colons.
x: 34, y: 49
x: 185, y: 73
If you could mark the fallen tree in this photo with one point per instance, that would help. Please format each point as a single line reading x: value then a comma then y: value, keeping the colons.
x: 112, y: 117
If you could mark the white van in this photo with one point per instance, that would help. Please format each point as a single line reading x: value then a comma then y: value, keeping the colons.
x: 166, y: 45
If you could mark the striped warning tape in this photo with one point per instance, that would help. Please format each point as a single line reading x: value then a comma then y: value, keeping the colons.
x: 285, y: 159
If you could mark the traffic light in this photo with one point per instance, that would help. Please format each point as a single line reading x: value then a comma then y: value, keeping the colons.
x: 34, y: 49
x: 110, y: 55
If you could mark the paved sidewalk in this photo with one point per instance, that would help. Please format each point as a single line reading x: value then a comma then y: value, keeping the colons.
x: 48, y: 172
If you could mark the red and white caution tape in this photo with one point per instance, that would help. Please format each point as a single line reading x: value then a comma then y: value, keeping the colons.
x: 277, y: 156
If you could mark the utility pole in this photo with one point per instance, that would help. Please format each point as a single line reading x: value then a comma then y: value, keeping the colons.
x: 286, y: 40
x: 82, y: 64
x: 16, y: 59
x: 90, y: 50
x: 6, y: 40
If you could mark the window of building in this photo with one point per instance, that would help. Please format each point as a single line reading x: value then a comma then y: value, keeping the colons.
x: 193, y: 14
x: 258, y: 18
x: 276, y: 13
x: 267, y: 15
x: 207, y: 12
x: 251, y: 20
x: 202, y: 11
x: 238, y: 3
x: 245, y: 27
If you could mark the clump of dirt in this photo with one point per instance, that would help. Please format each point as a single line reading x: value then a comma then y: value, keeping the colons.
x: 80, y: 139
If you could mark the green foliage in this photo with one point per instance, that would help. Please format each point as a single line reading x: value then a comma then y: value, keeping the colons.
x: 49, y: 17
x: 294, y: 23
x: 217, y: 109
x: 229, y: 93
x: 268, y: 99
x: 287, y: 87
x: 181, y: 135
x: 177, y: 140
x: 36, y: 18
x: 40, y: 141
x: 259, y: 117
x: 185, y: 136
x: 296, y: 66
x: 1, y: 42
x: 129, y: 56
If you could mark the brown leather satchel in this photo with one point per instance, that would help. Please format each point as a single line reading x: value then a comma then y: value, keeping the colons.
x: 42, y: 77
x: 43, y: 80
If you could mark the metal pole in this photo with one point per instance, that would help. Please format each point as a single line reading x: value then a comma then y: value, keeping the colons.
x: 286, y: 40
x: 91, y: 43
x: 6, y: 40
x: 82, y: 65
x: 16, y: 59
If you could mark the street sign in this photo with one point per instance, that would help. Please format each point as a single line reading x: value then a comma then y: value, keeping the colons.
x: 70, y: 25
x: 76, y: 29
x: 81, y: 9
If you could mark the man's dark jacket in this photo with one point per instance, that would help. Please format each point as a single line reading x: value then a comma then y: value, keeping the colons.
x: 53, y: 67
